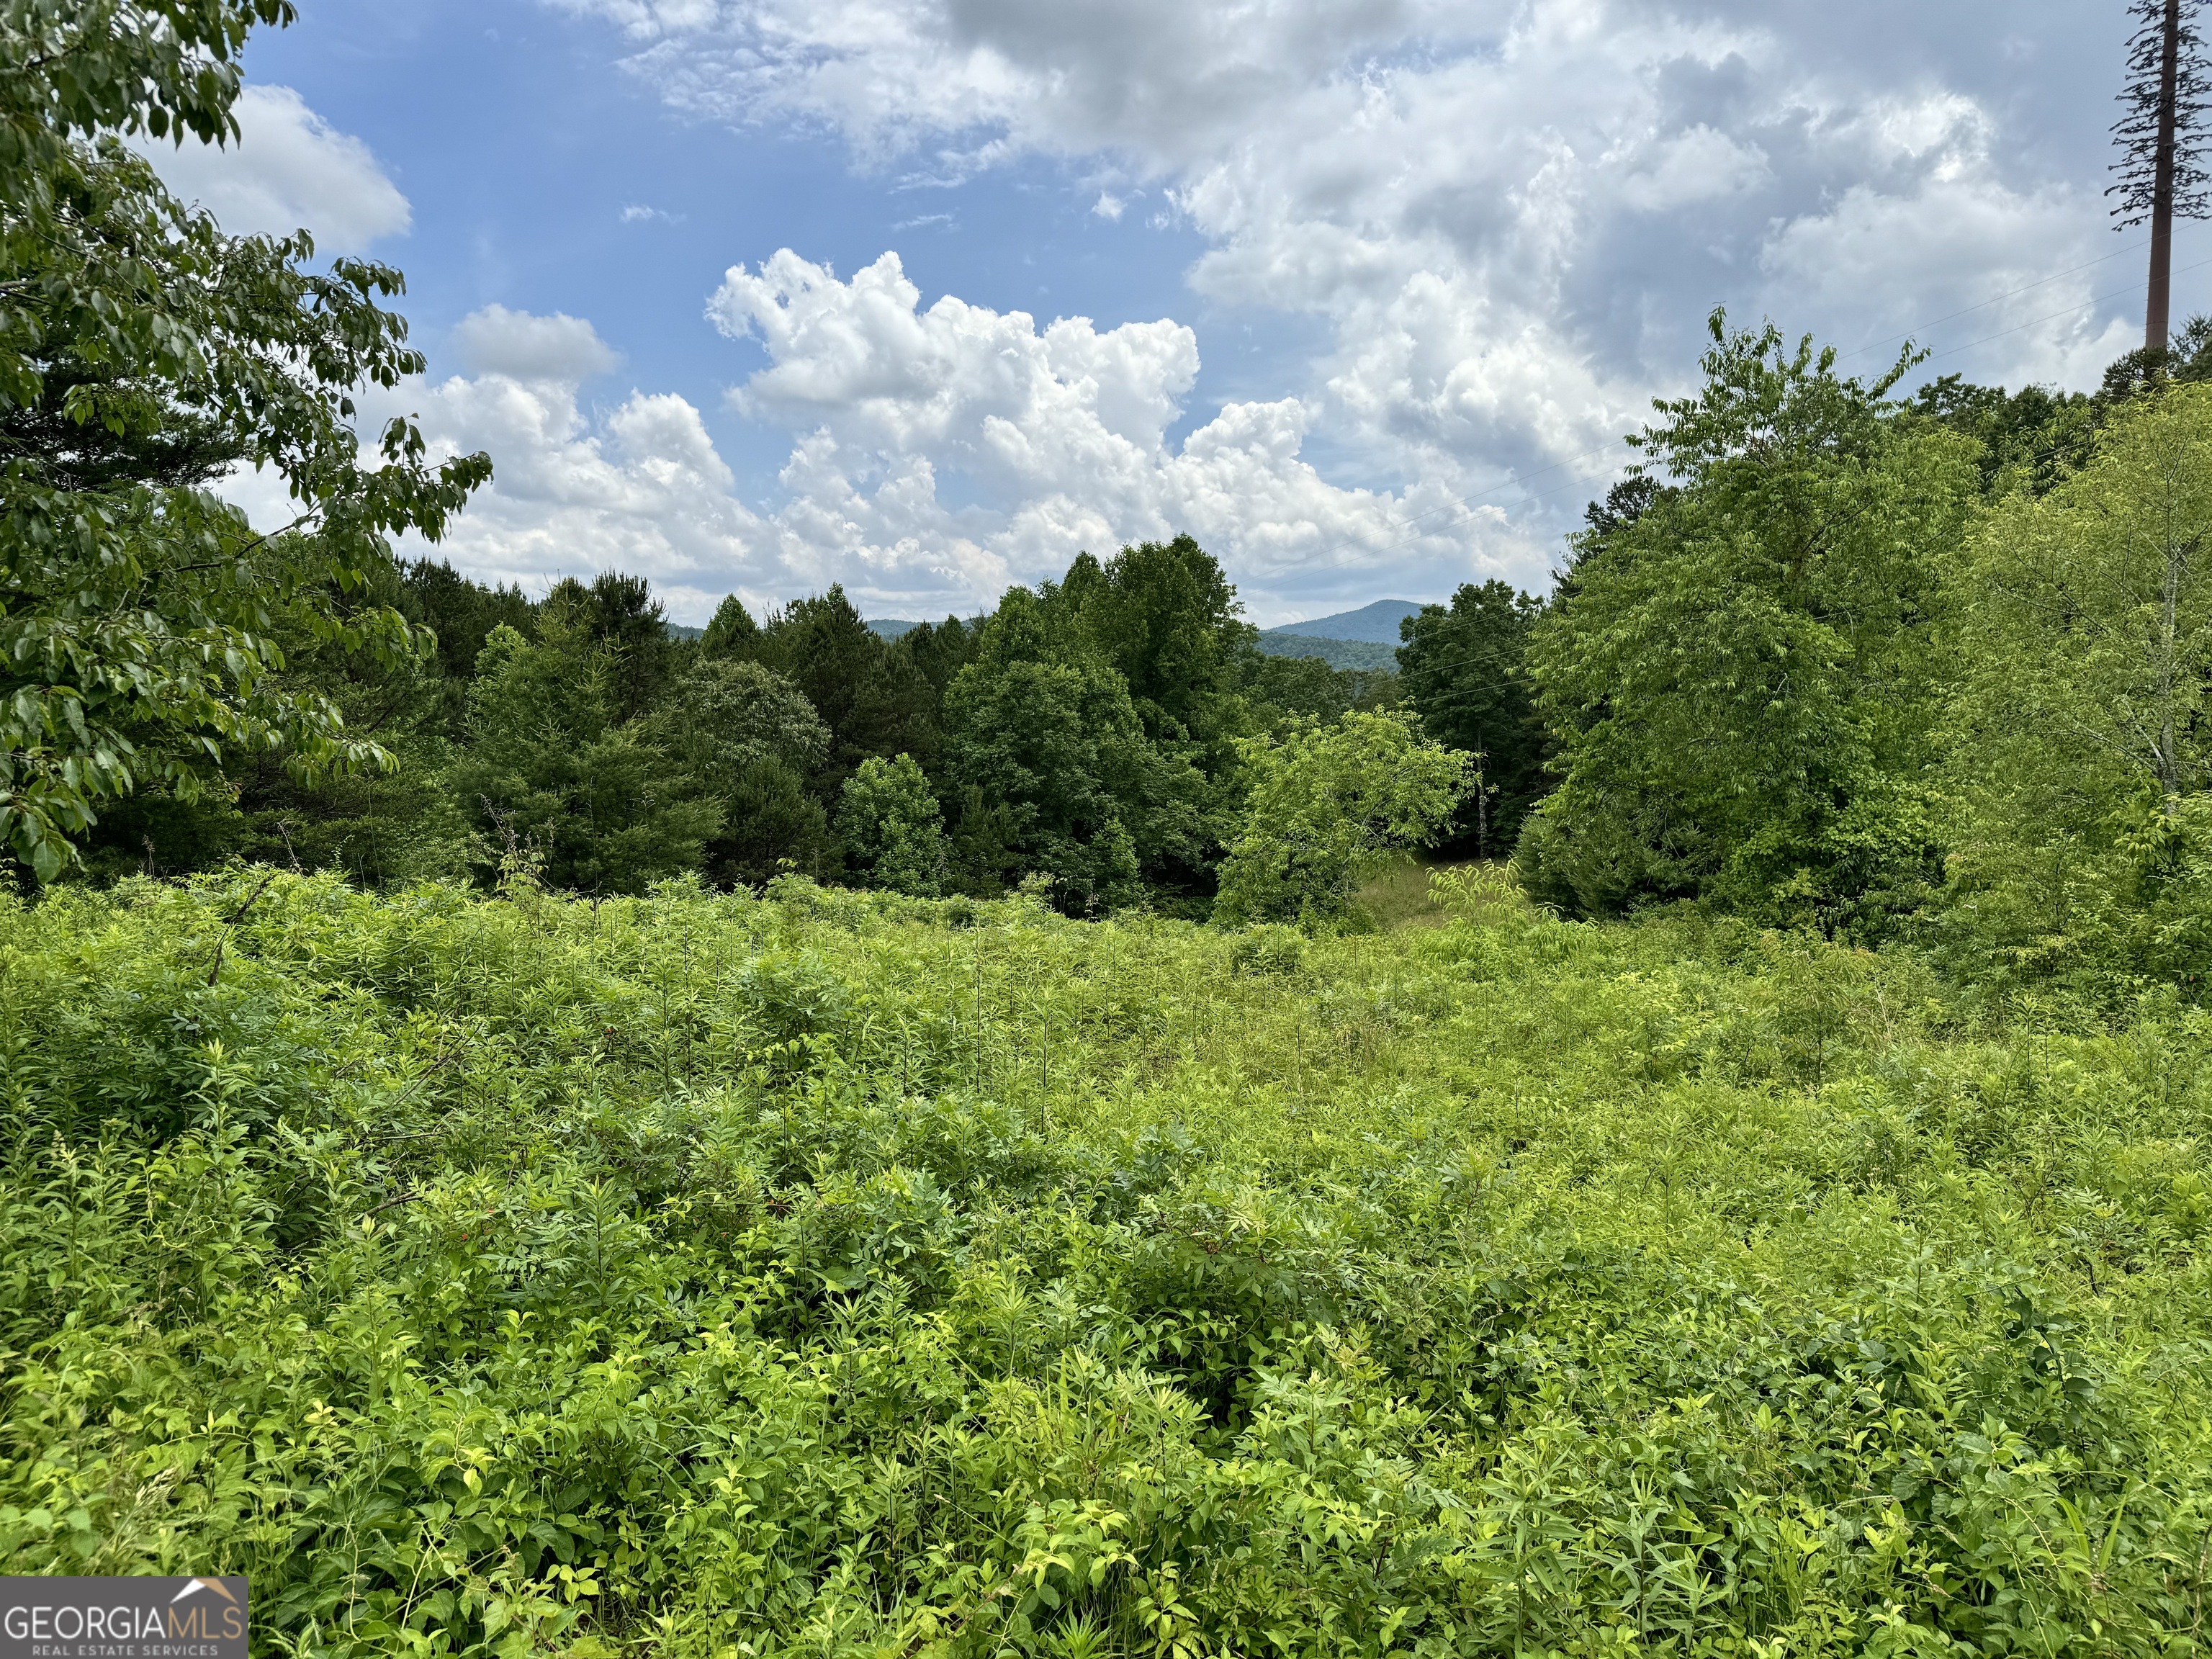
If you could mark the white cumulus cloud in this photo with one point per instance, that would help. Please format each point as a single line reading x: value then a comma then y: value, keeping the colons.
x: 288, y: 170
x: 1052, y: 439
x: 523, y: 347
x: 1512, y: 216
x: 638, y: 489
x: 1061, y: 432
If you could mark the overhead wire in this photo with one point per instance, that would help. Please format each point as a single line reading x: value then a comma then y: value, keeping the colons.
x: 2010, y: 294
x: 2054, y: 316
x: 1362, y: 550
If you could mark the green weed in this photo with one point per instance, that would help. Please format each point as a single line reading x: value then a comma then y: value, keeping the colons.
x: 845, y: 1273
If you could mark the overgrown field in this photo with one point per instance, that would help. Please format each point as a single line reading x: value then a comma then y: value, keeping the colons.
x: 840, y: 1273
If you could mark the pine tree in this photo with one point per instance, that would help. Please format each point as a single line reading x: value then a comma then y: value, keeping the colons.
x: 2161, y: 140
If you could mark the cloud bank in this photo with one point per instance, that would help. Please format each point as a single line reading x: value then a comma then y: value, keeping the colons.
x: 1058, y: 433
x: 1511, y: 219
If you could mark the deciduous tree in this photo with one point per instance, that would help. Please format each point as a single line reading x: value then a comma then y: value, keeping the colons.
x: 893, y: 828
x: 2084, y: 746
x: 143, y: 354
x: 1746, y: 683
x: 748, y: 740
x: 1328, y: 805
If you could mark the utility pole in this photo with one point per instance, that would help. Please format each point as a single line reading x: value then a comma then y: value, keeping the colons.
x: 2160, y: 178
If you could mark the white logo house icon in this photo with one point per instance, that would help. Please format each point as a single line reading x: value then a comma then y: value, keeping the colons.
x: 193, y: 1586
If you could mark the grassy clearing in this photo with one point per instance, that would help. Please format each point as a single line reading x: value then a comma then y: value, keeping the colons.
x: 834, y: 1272
x: 1403, y: 896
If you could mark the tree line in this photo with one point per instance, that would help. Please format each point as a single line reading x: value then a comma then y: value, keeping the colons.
x: 1927, y: 667
x: 1930, y: 669
x: 1094, y: 732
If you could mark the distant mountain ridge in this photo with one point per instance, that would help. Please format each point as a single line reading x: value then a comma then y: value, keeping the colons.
x: 1375, y: 624
x: 1365, y: 639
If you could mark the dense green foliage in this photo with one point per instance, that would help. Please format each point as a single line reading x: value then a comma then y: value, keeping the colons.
x: 143, y: 354
x: 841, y: 1273
x: 1462, y: 667
x: 894, y: 832
x: 1280, y: 687
x: 1932, y: 673
x: 873, y: 695
x: 1743, y: 688
x: 1371, y: 656
x: 1086, y: 731
x: 1328, y: 805
x: 2081, y: 753
x: 552, y: 764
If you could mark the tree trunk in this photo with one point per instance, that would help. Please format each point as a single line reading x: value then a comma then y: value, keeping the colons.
x: 2161, y: 214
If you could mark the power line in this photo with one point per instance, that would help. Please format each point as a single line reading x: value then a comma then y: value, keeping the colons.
x: 1520, y: 480
x: 2054, y: 316
x: 2041, y: 281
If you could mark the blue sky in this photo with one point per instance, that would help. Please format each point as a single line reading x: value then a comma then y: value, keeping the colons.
x: 1344, y: 273
x: 542, y: 181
